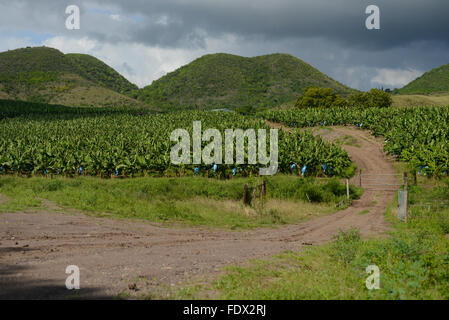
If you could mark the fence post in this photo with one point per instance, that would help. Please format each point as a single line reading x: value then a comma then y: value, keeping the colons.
x: 264, y: 188
x: 347, y: 189
x: 406, y: 196
x: 245, y: 194
x: 360, y: 176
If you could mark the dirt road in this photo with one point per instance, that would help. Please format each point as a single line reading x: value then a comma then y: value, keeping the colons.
x: 36, y: 248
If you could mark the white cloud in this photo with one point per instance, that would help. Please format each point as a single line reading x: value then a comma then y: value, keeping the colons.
x: 115, y: 17
x: 70, y: 45
x: 395, y: 77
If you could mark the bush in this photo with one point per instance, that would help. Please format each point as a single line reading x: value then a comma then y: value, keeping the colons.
x: 334, y: 186
x: 358, y: 100
x: 375, y: 98
x: 327, y: 98
x: 379, y: 99
x: 320, y: 98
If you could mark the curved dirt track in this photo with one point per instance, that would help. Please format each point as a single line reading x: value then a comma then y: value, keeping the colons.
x: 36, y: 248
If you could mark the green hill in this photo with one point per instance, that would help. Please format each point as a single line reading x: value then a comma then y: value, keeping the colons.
x: 225, y: 80
x: 434, y: 81
x: 46, y: 75
x: 100, y: 73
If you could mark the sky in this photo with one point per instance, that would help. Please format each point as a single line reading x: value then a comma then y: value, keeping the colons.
x: 145, y: 39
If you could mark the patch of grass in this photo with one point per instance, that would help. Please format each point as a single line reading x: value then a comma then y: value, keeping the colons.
x: 420, y: 100
x: 348, y: 141
x: 19, y: 200
x: 290, y: 276
x: 413, y: 262
x: 364, y: 212
x: 189, y: 200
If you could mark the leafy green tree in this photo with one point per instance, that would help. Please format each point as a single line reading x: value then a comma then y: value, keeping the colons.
x: 358, y: 100
x: 379, y: 99
x: 320, y: 98
x: 375, y: 98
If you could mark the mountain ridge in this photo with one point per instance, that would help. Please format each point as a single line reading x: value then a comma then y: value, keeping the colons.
x: 46, y: 75
x: 433, y: 81
x: 226, y: 80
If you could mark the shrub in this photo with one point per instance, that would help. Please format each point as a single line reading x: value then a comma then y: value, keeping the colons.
x: 334, y: 186
x: 358, y: 100
x: 379, y: 99
x: 375, y: 98
x: 326, y: 98
x: 320, y: 98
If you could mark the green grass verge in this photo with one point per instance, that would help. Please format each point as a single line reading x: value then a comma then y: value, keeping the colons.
x: 420, y: 100
x: 413, y: 262
x: 188, y: 200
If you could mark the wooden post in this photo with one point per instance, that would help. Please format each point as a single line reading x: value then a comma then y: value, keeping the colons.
x: 360, y: 176
x: 264, y: 188
x: 347, y: 189
x: 406, y: 196
x: 415, y: 178
x: 245, y: 194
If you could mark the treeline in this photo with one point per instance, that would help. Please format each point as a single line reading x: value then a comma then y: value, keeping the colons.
x: 17, y: 108
x: 326, y: 98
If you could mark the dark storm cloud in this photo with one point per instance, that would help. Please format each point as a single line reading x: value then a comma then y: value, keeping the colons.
x: 343, y: 21
x: 187, y: 22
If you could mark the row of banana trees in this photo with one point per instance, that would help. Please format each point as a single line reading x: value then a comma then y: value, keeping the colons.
x: 419, y: 136
x: 136, y: 144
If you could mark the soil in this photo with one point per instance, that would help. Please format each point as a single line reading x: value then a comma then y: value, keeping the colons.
x: 117, y: 256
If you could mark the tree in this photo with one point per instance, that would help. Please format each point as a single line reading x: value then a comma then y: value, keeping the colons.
x: 375, y: 98
x: 358, y: 100
x: 320, y: 98
x: 379, y: 99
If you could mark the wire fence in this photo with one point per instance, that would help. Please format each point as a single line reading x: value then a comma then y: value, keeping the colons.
x: 380, y: 181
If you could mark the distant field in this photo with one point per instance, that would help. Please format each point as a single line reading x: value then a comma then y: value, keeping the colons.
x: 419, y: 100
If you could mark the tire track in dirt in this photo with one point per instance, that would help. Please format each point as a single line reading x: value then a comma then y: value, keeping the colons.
x: 36, y: 248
